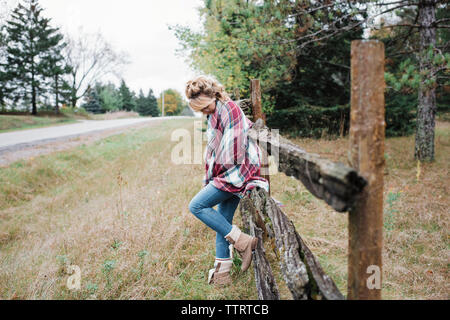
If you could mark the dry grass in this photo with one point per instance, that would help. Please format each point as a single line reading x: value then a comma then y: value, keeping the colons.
x: 115, y: 115
x: 416, y: 218
x: 118, y: 209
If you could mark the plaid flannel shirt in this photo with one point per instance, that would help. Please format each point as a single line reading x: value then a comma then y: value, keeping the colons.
x: 232, y: 160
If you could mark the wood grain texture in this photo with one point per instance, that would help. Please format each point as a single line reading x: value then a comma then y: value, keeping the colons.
x: 367, y: 135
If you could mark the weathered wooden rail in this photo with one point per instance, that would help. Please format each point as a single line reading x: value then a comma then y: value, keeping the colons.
x: 357, y: 189
x: 335, y: 183
x: 302, y: 272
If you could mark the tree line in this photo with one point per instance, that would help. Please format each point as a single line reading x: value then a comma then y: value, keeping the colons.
x: 40, y: 68
x: 300, y: 50
x: 103, y: 98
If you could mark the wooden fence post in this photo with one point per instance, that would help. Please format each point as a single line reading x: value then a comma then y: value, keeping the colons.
x: 255, y: 97
x: 255, y: 88
x: 237, y: 94
x: 366, y: 155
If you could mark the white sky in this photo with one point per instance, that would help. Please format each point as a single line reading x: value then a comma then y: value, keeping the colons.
x: 138, y: 27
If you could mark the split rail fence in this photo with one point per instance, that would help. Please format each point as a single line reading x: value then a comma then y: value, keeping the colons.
x: 356, y: 189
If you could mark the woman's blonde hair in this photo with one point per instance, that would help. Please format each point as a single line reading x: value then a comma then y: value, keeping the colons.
x: 202, y: 91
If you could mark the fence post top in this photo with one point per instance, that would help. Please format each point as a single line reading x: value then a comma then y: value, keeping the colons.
x: 366, y: 42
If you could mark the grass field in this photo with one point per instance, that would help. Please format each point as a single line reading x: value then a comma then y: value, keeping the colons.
x: 118, y: 209
x: 12, y: 122
x: 22, y: 122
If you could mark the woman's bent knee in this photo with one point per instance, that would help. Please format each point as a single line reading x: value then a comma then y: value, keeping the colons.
x: 194, y: 207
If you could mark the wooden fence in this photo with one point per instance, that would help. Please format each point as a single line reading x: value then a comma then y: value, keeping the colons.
x: 356, y: 189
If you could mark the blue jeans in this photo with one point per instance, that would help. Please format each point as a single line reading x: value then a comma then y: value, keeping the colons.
x: 221, y: 220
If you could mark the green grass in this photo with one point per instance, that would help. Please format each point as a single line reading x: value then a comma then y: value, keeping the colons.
x: 328, y: 263
x: 12, y: 123
x: 23, y: 180
x: 390, y: 212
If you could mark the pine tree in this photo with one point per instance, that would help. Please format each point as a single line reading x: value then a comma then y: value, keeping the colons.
x: 141, y: 104
x: 109, y: 97
x: 153, y: 104
x: 33, y: 51
x: 56, y: 69
x: 3, y: 87
x: 147, y: 105
x: 64, y: 91
x: 93, y: 103
x: 128, y: 101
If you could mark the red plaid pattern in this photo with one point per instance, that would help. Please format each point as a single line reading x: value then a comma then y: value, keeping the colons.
x: 233, y: 161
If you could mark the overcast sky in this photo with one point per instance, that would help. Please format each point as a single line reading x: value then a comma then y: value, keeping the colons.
x: 139, y: 27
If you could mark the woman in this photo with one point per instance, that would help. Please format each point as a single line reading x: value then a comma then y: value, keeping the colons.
x: 232, y: 169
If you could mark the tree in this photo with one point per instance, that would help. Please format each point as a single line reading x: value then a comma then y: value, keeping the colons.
x: 4, y: 13
x: 109, y: 97
x: 300, y: 51
x: 127, y: 97
x: 147, y: 105
x: 91, y: 58
x: 93, y: 103
x: 141, y: 103
x: 419, y: 38
x: 57, y: 68
x: 288, y: 46
x: 33, y: 48
x: 424, y: 143
x: 173, y: 102
x: 5, y: 90
x: 152, y: 104
x: 274, y: 42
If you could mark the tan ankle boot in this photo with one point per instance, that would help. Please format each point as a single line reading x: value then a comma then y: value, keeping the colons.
x: 244, y: 244
x: 220, y: 275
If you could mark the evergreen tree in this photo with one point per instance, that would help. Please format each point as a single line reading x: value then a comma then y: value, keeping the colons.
x: 109, y: 97
x: 141, y: 104
x: 299, y: 50
x: 3, y: 87
x: 33, y: 53
x: 93, y: 103
x: 128, y: 101
x: 56, y: 68
x: 153, y: 104
x: 64, y: 92
x: 147, y: 105
x: 418, y: 61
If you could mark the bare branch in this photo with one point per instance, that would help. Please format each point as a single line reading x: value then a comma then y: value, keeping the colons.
x: 441, y: 20
x: 92, y: 58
